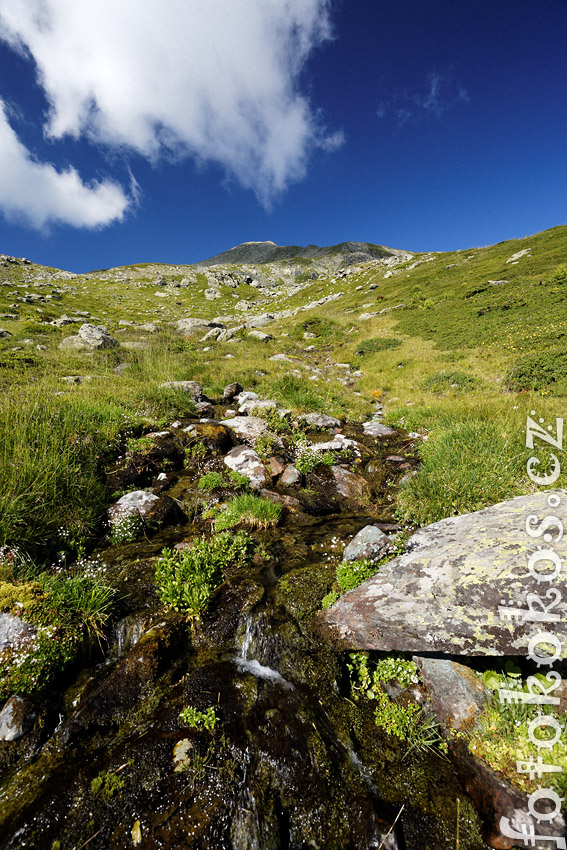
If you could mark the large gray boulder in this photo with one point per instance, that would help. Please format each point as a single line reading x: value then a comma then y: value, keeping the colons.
x: 246, y: 428
x: 96, y: 337
x: 457, y: 585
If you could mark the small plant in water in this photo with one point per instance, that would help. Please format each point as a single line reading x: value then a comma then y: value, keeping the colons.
x: 199, y: 719
x: 106, y: 785
x: 249, y: 510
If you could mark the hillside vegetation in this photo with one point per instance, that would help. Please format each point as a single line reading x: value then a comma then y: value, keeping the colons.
x: 457, y: 346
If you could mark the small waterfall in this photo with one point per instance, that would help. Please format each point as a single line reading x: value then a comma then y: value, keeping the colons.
x: 252, y: 643
x: 125, y: 634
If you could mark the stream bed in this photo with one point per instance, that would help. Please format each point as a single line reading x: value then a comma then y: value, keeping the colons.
x: 293, y: 761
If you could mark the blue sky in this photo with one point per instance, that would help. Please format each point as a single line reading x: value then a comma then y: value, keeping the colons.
x: 171, y: 130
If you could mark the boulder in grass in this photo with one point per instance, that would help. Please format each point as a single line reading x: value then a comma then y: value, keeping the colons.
x: 4, y: 334
x: 193, y: 388
x: 189, y: 325
x: 96, y: 337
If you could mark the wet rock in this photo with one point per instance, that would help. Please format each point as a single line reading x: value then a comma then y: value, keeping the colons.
x: 369, y: 544
x: 456, y: 588
x: 245, y: 460
x: 456, y: 693
x: 205, y: 409
x: 319, y: 421
x: 290, y: 476
x: 275, y: 466
x: 141, y: 467
x: 153, y: 510
x: 288, y: 501
x: 216, y: 437
x: 193, y: 388
x: 232, y: 390
x: 16, y: 718
x: 376, y: 429
x: 495, y: 798
x: 14, y: 631
x: 348, y: 484
x: 247, y: 428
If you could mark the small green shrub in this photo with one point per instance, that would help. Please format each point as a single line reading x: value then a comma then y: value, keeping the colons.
x: 264, y: 445
x: 546, y: 370
x: 211, y: 480
x: 247, y: 509
x: 328, y: 458
x: 380, y: 343
x: 275, y: 422
x: 237, y: 479
x: 442, y: 382
x: 352, y: 573
x: 199, y: 719
x: 329, y: 599
x: 197, y: 451
x: 185, y: 580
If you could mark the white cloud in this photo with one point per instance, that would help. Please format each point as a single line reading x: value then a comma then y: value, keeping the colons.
x: 214, y: 79
x: 38, y: 194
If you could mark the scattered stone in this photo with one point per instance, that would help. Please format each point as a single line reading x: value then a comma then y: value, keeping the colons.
x: 275, y: 466
x: 377, y: 430
x: 74, y: 343
x: 365, y: 316
x: 259, y: 321
x: 232, y: 390
x: 348, y: 484
x: 246, y: 461
x: 16, y: 718
x: 247, y: 428
x: 257, y: 404
x: 212, y: 294
x: 4, y: 333
x: 72, y: 379
x: 287, y: 501
x: 96, y: 336
x: 369, y: 544
x: 395, y: 459
x: 319, y: 421
x: 262, y: 337
x: 456, y: 693
x: 152, y: 509
x: 191, y: 387
x: 205, y: 408
x: 121, y: 368
x: 187, y: 326
x: 444, y: 593
x: 290, y: 476
x: 515, y: 257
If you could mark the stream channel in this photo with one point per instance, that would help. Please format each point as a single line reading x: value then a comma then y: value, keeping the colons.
x: 293, y: 761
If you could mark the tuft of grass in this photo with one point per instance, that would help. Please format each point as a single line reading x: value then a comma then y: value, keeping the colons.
x: 442, y: 382
x: 248, y: 510
x: 211, y: 480
x: 466, y: 466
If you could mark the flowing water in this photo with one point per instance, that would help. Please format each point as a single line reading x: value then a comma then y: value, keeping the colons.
x: 292, y: 763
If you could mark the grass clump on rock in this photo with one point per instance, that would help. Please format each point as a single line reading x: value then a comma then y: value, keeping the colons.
x: 186, y: 579
x: 249, y: 510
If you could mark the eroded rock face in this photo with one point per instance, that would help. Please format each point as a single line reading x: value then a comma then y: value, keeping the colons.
x: 443, y: 594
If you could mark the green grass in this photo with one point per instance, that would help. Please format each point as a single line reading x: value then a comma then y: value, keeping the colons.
x: 248, y: 510
x: 185, y: 580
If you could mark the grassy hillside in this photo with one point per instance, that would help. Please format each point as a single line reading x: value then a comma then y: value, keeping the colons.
x: 457, y: 345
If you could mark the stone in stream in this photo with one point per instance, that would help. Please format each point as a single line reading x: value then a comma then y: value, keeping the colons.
x: 16, y: 718
x: 319, y: 421
x: 152, y: 509
x: 376, y: 429
x: 369, y: 544
x: 245, y: 460
x: 232, y: 390
x: 247, y: 428
x: 444, y: 593
x: 290, y: 476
